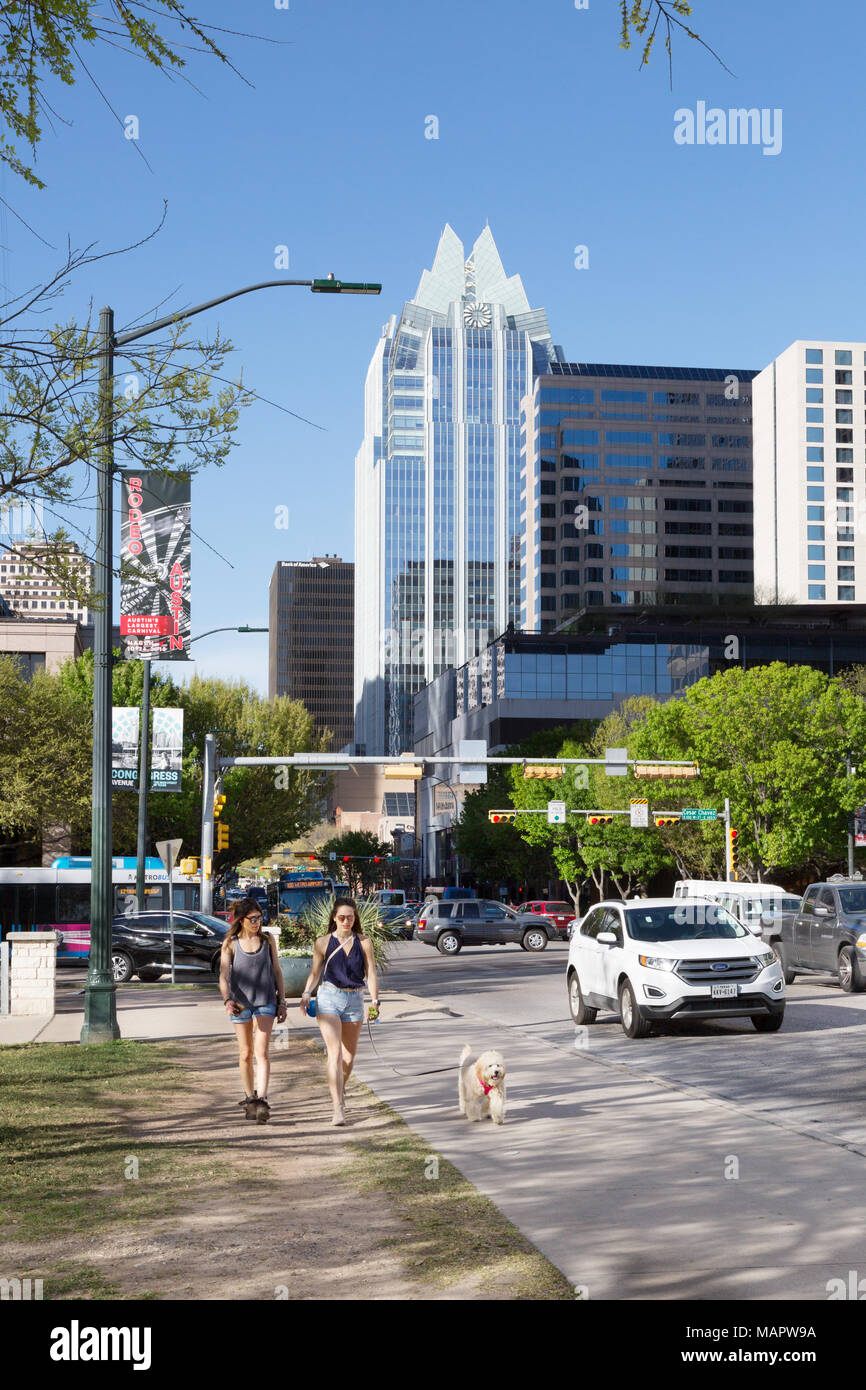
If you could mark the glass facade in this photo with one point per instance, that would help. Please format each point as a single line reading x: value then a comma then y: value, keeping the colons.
x: 438, y: 483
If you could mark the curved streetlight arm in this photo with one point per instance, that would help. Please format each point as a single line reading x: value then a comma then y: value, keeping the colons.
x: 212, y: 630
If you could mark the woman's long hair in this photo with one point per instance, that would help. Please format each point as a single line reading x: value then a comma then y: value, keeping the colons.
x: 243, y: 907
x: 345, y: 902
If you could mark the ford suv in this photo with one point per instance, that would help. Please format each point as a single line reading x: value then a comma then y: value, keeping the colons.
x: 451, y: 926
x: 656, y: 959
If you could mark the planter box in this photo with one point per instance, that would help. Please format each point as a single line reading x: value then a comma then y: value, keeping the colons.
x: 295, y: 971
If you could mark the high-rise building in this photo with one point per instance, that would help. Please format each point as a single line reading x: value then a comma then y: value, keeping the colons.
x: 810, y: 479
x: 437, y: 482
x: 310, y: 646
x: 31, y: 591
x: 637, y: 489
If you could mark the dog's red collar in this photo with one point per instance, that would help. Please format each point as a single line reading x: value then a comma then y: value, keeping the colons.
x: 483, y: 1084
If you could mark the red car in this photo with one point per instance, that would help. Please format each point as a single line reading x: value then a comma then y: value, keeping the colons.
x: 561, y: 914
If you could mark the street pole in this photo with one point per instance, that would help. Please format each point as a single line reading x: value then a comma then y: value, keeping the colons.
x: 100, y: 1002
x: 848, y: 773
x: 206, y: 863
x: 100, y: 992
x: 141, y: 841
x: 728, y: 866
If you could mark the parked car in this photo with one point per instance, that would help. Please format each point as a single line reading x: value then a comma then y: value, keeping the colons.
x: 480, y: 922
x: 827, y: 933
x: 397, y: 922
x: 656, y: 959
x: 560, y: 913
x: 141, y: 944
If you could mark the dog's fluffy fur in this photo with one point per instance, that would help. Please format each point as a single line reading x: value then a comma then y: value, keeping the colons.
x: 474, y: 1103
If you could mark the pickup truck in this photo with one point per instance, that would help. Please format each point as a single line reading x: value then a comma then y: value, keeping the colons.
x: 826, y: 935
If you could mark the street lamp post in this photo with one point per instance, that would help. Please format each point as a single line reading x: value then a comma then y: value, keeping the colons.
x: 100, y: 1003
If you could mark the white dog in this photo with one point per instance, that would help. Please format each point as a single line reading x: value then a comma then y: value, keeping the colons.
x: 482, y: 1085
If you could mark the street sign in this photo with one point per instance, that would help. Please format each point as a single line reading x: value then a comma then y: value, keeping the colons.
x: 168, y: 850
x: 555, y: 812
x: 639, y: 812
x: 472, y: 748
x: 699, y: 813
x: 615, y: 762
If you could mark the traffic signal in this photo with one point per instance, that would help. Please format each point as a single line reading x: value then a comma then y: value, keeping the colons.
x: 553, y: 773
x: 222, y: 837
x: 495, y: 816
x: 668, y: 820
x: 733, y: 836
x: 599, y: 820
x: 661, y: 771
x: 218, y: 804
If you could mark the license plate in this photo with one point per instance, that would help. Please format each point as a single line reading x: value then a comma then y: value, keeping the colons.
x: 723, y: 991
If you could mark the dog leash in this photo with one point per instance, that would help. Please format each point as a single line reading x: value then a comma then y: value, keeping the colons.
x: 431, y: 1072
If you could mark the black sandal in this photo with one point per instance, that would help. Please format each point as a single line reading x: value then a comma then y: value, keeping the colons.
x: 250, y: 1103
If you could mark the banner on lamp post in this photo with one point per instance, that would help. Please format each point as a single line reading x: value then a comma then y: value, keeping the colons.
x: 166, y: 752
x: 124, y: 748
x: 155, y: 567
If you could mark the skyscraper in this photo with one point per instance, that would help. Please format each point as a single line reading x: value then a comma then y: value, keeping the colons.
x: 437, y: 482
x: 311, y: 603
x: 810, y: 498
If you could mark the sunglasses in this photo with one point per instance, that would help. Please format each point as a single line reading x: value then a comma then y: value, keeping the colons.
x: 256, y: 918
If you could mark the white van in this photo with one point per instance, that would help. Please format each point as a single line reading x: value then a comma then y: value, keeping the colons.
x: 753, y: 904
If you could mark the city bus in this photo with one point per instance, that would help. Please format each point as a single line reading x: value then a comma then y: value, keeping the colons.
x: 298, y: 887
x: 58, y: 898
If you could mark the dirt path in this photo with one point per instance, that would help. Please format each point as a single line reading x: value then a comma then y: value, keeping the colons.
x: 279, y: 1217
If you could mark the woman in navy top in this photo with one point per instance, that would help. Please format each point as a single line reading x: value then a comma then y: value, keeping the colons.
x: 345, y: 959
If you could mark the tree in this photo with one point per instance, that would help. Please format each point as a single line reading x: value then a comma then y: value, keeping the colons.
x: 773, y: 739
x: 42, y: 40
x: 496, y: 853
x: 360, y: 849
x: 635, y: 17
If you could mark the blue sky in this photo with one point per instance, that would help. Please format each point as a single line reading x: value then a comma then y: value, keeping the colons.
x: 698, y: 255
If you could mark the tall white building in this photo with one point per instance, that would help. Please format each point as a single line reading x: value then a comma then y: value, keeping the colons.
x: 437, y: 482
x: 809, y: 431
x: 31, y: 592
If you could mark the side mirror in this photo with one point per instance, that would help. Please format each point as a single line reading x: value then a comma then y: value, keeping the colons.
x: 822, y: 912
x: 201, y: 931
x: 607, y: 938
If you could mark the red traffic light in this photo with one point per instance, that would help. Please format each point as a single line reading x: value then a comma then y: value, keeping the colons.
x: 346, y: 858
x: 377, y: 861
x: 734, y: 834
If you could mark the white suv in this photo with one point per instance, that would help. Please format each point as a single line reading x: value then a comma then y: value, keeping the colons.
x: 655, y: 959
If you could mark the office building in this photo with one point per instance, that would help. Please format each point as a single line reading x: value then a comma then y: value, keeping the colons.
x: 810, y: 478
x: 30, y: 591
x: 310, y: 644
x: 437, y: 482
x: 637, y: 489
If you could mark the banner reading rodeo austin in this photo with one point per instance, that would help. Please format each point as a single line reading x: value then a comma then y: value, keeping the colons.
x: 154, y: 587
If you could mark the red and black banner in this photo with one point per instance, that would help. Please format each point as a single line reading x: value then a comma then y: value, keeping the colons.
x: 155, y: 554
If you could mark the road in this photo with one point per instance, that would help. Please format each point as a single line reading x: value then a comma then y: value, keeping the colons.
x: 707, y: 1161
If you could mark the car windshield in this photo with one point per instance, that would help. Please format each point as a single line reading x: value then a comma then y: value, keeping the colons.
x: 689, y: 920
x: 853, y: 899
x: 215, y: 923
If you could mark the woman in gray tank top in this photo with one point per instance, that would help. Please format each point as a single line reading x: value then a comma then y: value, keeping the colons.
x: 251, y: 984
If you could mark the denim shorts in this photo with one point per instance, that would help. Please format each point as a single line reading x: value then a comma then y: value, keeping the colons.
x: 268, y: 1010
x: 346, y: 1004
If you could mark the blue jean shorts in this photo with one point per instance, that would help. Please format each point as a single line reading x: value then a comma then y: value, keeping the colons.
x: 268, y: 1010
x: 346, y: 1004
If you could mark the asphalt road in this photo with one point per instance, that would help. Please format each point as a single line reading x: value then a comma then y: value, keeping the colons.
x: 704, y: 1162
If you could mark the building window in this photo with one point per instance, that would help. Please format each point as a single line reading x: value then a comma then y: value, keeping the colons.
x: 816, y: 591
x: 844, y: 552
x: 845, y: 574
x: 816, y: 552
x: 843, y: 357
x: 844, y: 455
x: 814, y: 395
x: 845, y: 593
x: 844, y: 378
x: 814, y: 455
x: 816, y: 572
x: 844, y: 397
x: 814, y: 375
x: 814, y: 435
x: 815, y: 533
x: 815, y: 414
x: 844, y: 475
x: 814, y: 354
x: 815, y: 475
x: 844, y: 417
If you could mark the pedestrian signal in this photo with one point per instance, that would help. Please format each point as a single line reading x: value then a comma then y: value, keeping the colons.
x: 495, y: 816
x: 189, y: 866
x: 599, y: 820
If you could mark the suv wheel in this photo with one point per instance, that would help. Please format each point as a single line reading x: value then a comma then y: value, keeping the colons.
x: 634, y: 1025
x: 580, y: 1011
x: 768, y: 1023
x: 781, y: 954
x: 850, y: 975
x: 534, y: 939
x: 122, y: 967
x: 449, y: 943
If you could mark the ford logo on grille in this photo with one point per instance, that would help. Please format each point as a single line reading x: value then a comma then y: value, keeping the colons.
x: 719, y: 965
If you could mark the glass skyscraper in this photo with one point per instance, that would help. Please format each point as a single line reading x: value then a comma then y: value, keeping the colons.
x: 437, y: 482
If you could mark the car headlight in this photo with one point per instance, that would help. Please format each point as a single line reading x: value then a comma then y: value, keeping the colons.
x: 657, y: 962
x: 766, y: 958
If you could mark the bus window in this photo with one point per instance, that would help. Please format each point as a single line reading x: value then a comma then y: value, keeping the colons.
x: 73, y: 902
x: 45, y: 906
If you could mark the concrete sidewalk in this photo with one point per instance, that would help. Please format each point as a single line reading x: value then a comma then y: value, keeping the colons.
x: 143, y: 1014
